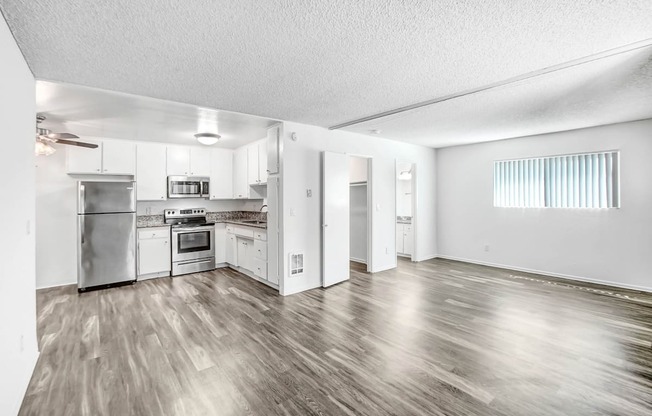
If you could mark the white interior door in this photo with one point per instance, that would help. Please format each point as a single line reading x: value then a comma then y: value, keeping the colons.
x: 335, y: 218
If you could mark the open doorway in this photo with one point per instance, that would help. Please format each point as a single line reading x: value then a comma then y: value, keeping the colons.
x: 359, y: 216
x: 405, y: 203
x: 341, y: 175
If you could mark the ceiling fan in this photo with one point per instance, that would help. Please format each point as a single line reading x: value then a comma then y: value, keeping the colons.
x: 45, y: 138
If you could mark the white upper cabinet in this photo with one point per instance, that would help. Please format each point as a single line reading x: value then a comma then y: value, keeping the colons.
x: 273, y: 149
x: 151, y: 175
x: 109, y: 158
x: 188, y: 161
x: 178, y: 160
x: 200, y: 161
x: 252, y: 164
x: 118, y: 158
x: 82, y: 160
x: 221, y: 173
x: 240, y: 182
x: 262, y: 161
x: 257, y: 163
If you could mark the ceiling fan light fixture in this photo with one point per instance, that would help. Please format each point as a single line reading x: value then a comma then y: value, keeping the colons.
x: 207, y: 139
x: 43, y: 149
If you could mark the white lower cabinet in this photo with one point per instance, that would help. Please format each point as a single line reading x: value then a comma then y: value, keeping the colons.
x: 246, y: 248
x: 404, y: 239
x: 260, y: 268
x: 260, y: 252
x: 246, y: 253
x: 153, y: 252
x: 231, y: 248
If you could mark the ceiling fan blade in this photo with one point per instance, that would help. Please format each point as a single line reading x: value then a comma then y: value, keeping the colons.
x: 57, y: 136
x: 74, y: 143
x: 45, y: 139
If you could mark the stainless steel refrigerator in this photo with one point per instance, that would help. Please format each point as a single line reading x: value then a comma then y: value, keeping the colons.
x: 106, y: 224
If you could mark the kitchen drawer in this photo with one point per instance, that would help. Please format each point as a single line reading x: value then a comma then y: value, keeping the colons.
x: 157, y: 232
x: 260, y: 249
x: 260, y: 268
x: 244, y: 231
x: 229, y: 228
x: 407, y: 228
x: 260, y: 235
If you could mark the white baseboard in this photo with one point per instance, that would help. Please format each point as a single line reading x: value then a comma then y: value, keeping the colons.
x: 383, y: 268
x: 358, y: 260
x: 551, y: 274
x: 152, y: 276
x: 300, y: 289
x: 427, y: 257
x: 251, y: 274
x: 48, y: 286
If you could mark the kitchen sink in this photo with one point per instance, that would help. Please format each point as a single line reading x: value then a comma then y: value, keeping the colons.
x: 256, y: 222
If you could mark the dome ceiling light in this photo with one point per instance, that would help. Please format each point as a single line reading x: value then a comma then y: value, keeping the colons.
x: 207, y: 139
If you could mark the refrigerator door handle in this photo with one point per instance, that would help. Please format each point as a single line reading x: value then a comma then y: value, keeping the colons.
x: 80, y: 199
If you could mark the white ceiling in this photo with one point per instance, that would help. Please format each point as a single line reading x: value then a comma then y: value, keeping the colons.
x: 322, y: 62
x: 93, y: 112
x: 606, y: 91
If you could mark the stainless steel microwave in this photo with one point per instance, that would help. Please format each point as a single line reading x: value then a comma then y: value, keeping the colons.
x: 188, y: 187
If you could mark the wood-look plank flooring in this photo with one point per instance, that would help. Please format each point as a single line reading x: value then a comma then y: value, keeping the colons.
x: 432, y: 338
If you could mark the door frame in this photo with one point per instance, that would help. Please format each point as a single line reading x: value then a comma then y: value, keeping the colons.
x: 413, y: 201
x: 370, y: 211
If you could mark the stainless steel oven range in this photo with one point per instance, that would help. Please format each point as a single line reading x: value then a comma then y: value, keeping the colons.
x: 193, y: 247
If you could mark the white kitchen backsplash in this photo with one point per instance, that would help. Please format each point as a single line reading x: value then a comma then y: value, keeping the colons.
x: 157, y: 207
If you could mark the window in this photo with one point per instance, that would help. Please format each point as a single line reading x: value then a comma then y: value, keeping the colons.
x: 588, y: 180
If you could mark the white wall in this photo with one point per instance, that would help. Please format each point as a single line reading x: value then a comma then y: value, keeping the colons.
x: 18, y: 346
x: 56, y: 217
x: 611, y: 246
x: 302, y: 170
x: 357, y: 169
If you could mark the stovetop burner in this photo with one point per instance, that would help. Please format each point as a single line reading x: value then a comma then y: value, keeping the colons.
x: 189, y: 216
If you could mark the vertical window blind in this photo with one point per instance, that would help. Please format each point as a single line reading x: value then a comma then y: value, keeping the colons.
x: 589, y: 180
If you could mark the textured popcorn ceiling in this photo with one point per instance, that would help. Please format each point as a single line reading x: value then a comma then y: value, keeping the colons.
x: 606, y: 91
x: 316, y: 62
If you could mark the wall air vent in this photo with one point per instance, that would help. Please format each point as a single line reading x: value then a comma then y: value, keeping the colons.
x: 296, y: 264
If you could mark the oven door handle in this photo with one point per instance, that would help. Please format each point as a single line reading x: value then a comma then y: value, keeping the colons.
x: 194, y: 229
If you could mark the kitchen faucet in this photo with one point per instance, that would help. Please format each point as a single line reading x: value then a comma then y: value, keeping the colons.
x: 261, y: 208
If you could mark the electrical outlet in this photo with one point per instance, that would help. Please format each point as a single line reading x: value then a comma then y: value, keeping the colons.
x: 386, y: 250
x: 22, y: 343
x: 486, y: 247
x: 309, y: 193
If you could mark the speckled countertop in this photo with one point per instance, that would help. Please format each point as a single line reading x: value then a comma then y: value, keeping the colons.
x: 247, y: 224
x: 234, y: 217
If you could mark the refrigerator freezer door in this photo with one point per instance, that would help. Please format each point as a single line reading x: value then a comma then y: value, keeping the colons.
x: 107, y: 249
x: 106, y: 197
